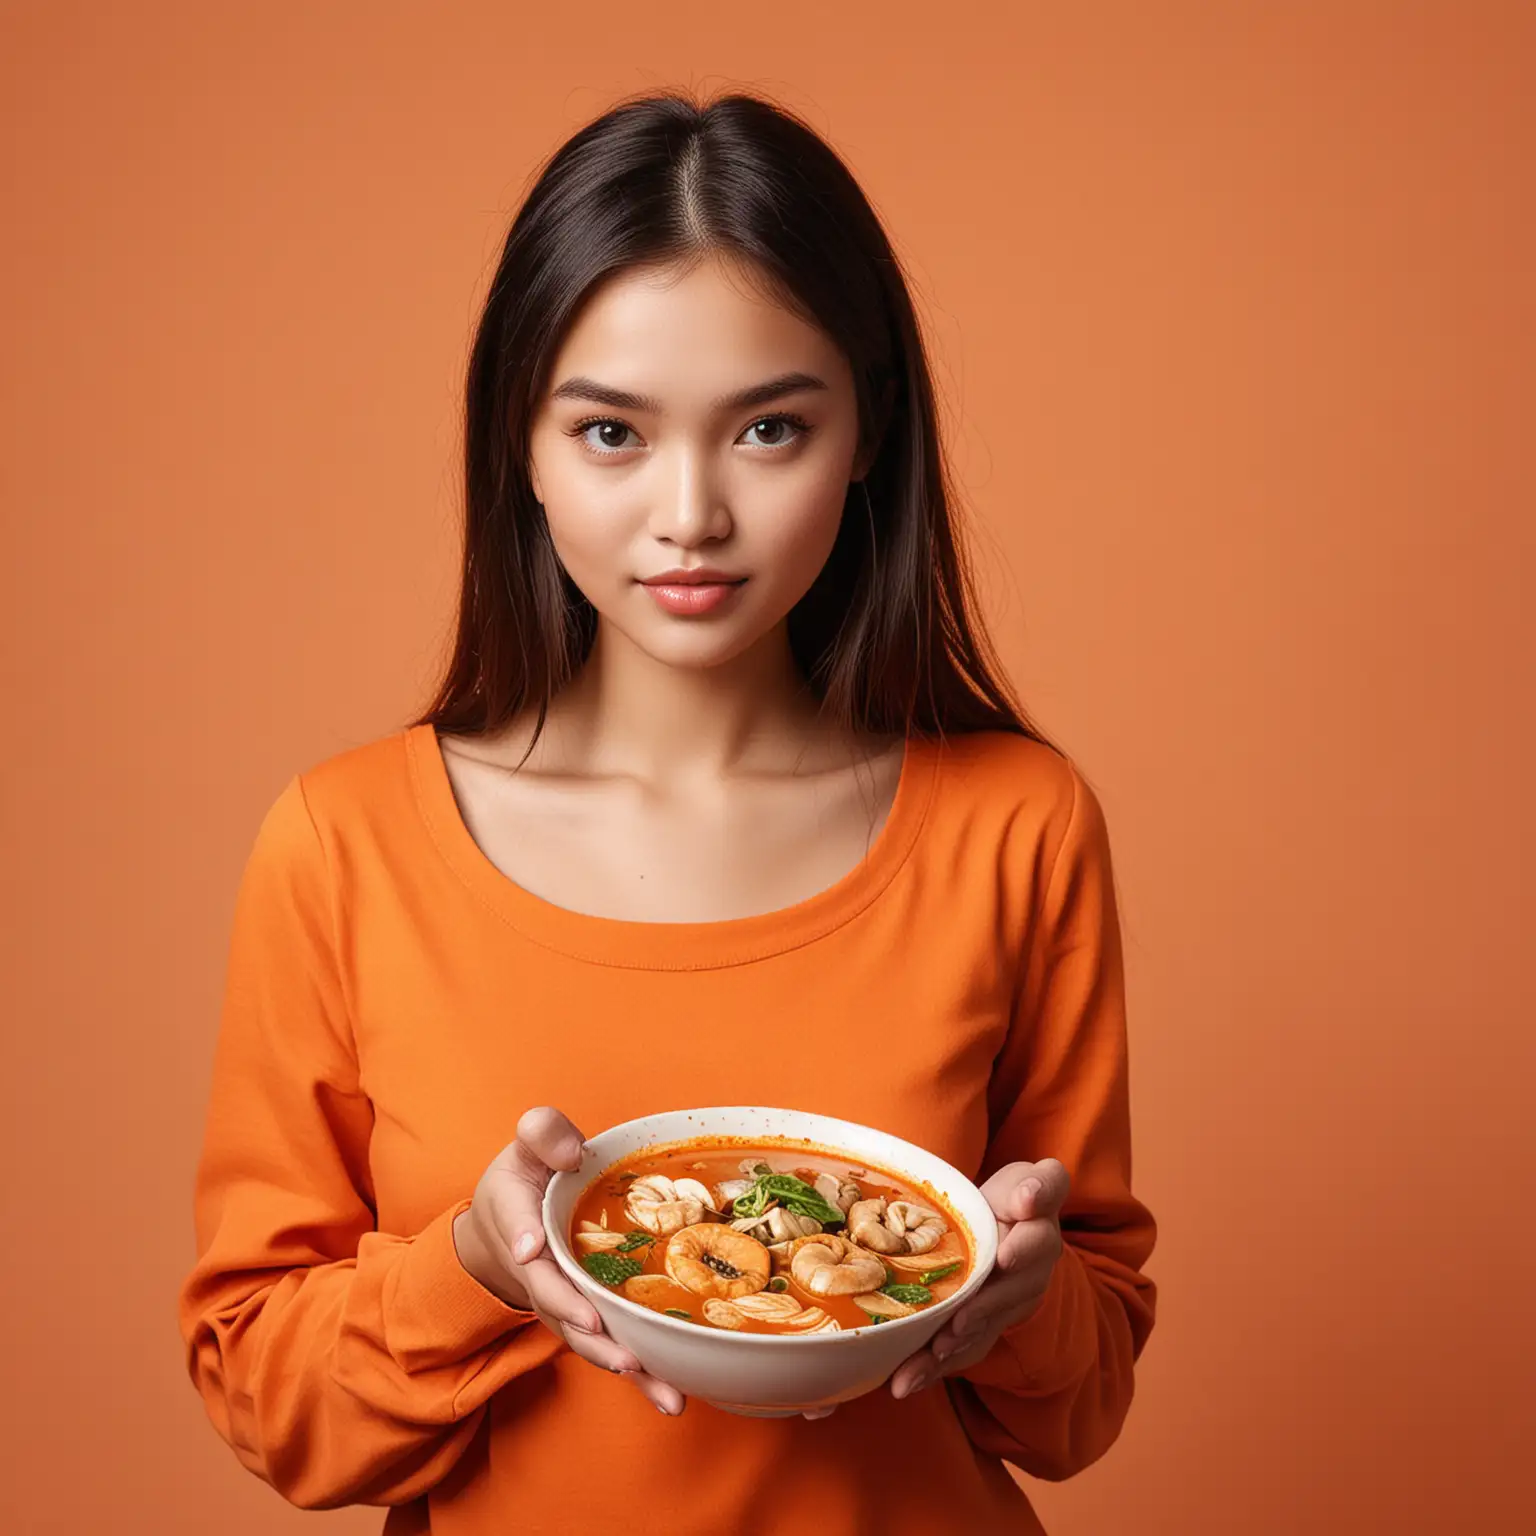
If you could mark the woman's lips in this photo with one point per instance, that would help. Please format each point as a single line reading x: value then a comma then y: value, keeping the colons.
x: 692, y: 597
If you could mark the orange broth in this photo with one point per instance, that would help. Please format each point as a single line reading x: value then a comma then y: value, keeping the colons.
x: 714, y: 1160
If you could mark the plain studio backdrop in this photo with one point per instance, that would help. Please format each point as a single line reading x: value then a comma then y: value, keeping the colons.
x: 1232, y: 312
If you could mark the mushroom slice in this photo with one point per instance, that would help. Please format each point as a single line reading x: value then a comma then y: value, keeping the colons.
x: 769, y: 1306
x: 884, y: 1306
x: 649, y: 1289
x: 599, y: 1241
x: 814, y: 1320
x: 723, y: 1314
x: 949, y: 1251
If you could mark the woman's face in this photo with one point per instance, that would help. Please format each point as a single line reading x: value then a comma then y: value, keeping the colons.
x: 679, y: 474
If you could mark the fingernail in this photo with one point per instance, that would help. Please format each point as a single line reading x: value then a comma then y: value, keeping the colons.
x: 522, y: 1249
x: 1031, y: 1188
x: 915, y: 1385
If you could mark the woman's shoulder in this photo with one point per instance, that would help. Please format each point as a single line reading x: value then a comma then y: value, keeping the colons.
x: 365, y: 786
x: 1013, y: 794
x: 1010, y: 770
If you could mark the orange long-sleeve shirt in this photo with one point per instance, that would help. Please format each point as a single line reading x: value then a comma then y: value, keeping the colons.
x: 394, y: 1003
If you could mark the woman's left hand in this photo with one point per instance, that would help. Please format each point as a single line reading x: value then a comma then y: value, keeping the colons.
x: 1027, y: 1199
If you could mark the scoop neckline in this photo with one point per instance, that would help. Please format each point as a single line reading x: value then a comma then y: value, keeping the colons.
x: 664, y: 946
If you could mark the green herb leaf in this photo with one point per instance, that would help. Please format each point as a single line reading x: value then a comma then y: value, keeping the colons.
x: 910, y: 1295
x: 633, y: 1240
x: 610, y: 1269
x: 792, y: 1193
x: 625, y: 1178
x: 762, y: 1168
x: 687, y: 1317
x: 938, y: 1274
x: 778, y: 1283
x: 874, y: 1317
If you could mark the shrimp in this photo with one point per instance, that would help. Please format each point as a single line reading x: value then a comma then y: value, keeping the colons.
x: 714, y: 1260
x: 866, y: 1226
x: 897, y: 1227
x: 664, y: 1206
x: 842, y: 1193
x: 921, y: 1227
x: 827, y: 1264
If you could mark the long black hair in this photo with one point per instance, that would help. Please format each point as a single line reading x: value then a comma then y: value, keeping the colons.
x: 887, y: 635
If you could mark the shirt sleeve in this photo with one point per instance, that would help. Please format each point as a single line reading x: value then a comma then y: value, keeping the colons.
x: 342, y: 1364
x: 1052, y: 1394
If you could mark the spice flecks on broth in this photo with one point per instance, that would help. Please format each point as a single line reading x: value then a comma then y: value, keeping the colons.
x: 764, y: 1237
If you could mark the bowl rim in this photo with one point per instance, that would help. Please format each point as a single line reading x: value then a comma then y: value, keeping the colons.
x: 558, y: 1247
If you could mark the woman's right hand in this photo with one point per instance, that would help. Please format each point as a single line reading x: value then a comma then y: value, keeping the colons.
x: 500, y: 1241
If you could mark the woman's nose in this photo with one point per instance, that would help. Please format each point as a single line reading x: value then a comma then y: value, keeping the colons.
x: 691, y: 509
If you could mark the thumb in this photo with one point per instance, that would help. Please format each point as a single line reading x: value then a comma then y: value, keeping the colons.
x: 1028, y: 1191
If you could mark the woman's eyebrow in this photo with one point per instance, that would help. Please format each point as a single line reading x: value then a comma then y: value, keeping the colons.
x: 622, y: 400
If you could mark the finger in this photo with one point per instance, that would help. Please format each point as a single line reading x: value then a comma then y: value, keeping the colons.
x: 1044, y: 1192
x: 517, y: 1210
x: 662, y: 1394
x: 551, y: 1292
x: 550, y: 1137
x: 597, y: 1348
x: 970, y: 1354
x: 1027, y: 1245
x: 600, y: 1350
x: 819, y: 1413
x: 980, y: 1325
x: 913, y: 1374
x: 1000, y: 1296
x: 1024, y: 1191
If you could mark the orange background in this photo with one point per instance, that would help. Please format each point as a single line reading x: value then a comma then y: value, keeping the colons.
x: 1233, y: 316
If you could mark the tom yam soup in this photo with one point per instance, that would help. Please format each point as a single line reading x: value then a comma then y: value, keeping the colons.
x: 761, y: 1237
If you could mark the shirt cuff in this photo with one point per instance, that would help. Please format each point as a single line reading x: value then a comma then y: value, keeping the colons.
x: 1023, y: 1357
x: 440, y: 1313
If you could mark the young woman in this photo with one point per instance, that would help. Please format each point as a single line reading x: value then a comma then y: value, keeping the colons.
x: 721, y: 800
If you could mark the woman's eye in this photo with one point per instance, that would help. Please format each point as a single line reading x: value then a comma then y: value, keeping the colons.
x: 610, y: 435
x: 781, y: 428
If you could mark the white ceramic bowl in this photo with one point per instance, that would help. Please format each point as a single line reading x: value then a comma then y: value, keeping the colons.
x: 766, y: 1374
